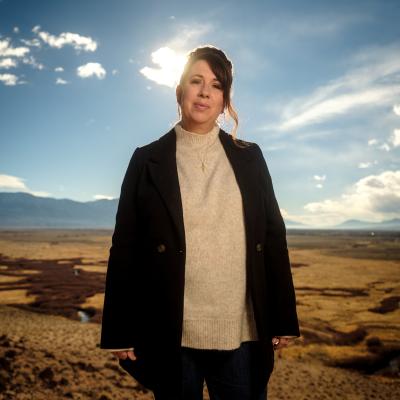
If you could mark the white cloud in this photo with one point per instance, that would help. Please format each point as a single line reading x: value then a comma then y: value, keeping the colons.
x: 78, y: 42
x: 59, y: 69
x: 341, y: 104
x: 371, y: 83
x: 91, y: 69
x: 319, y: 179
x: 171, y: 58
x: 40, y: 194
x: 31, y: 61
x: 61, y: 81
x: 373, y: 198
x: 9, y: 79
x: 114, y: 71
x: 6, y: 50
x: 284, y: 213
x: 16, y: 29
x: 188, y: 35
x: 170, y: 68
x: 11, y: 182
x: 32, y: 43
x: 364, y: 164
x: 14, y: 183
x: 7, y: 63
x: 396, y: 109
x: 384, y: 146
x: 103, y: 197
x: 395, y: 138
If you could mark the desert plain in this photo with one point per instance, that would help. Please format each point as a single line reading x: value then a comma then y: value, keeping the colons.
x: 51, y: 296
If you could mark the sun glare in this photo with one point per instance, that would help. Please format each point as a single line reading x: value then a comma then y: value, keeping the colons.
x: 170, y: 68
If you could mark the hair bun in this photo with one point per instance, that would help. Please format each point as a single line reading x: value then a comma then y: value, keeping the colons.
x: 210, y: 50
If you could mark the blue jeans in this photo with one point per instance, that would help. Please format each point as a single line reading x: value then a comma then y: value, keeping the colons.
x: 239, y: 374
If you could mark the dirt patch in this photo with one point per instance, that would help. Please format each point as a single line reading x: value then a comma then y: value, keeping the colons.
x: 388, y: 304
x: 54, y: 288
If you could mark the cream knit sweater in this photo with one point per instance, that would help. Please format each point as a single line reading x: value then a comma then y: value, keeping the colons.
x: 218, y: 313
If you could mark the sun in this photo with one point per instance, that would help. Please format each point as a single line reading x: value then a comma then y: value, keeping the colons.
x: 170, y: 68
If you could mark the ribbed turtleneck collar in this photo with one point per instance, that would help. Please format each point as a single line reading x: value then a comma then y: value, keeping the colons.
x: 196, y: 139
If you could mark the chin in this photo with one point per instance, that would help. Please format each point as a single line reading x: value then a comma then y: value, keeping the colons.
x: 202, y: 121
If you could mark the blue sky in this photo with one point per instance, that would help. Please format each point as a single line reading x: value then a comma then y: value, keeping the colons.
x: 316, y: 85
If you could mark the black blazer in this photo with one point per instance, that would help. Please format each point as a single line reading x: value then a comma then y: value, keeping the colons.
x: 143, y: 305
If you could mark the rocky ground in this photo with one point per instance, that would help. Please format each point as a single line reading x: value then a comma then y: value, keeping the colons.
x: 49, y: 357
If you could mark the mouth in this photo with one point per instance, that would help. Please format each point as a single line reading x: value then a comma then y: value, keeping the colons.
x: 201, y: 107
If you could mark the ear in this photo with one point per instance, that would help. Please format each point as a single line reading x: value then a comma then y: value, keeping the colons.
x: 178, y: 93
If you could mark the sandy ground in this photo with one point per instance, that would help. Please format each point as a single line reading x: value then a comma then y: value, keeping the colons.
x: 348, y: 293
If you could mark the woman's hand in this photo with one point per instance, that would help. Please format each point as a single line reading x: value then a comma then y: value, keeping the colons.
x: 123, y: 355
x: 279, y: 342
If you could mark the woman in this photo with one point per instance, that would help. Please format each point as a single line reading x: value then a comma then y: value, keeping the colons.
x: 198, y: 285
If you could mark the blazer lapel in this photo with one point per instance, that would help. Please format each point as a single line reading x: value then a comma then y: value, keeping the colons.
x: 163, y: 171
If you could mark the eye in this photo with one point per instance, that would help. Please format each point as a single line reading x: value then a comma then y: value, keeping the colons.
x: 218, y: 86
x: 195, y: 80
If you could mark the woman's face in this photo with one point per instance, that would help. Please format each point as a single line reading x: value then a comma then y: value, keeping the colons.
x: 201, y: 98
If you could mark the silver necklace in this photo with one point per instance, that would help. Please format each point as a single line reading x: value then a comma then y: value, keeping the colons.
x: 203, y: 159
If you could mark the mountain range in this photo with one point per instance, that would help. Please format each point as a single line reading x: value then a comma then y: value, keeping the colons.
x: 24, y: 210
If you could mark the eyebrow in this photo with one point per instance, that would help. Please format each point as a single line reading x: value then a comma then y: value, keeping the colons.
x: 201, y: 76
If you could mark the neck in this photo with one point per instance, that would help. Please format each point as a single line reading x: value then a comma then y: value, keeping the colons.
x: 197, y: 128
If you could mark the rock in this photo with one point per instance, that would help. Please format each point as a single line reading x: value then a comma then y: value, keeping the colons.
x: 4, y: 377
x: 5, y: 364
x: 63, y: 382
x: 10, y: 354
x: 46, y: 374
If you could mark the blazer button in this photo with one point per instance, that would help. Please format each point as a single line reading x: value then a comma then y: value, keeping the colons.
x: 259, y: 247
x: 161, y: 248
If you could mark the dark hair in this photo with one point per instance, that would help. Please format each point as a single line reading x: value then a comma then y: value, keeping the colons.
x: 222, y: 67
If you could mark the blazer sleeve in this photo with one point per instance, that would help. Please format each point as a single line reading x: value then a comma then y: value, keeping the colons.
x: 280, y: 286
x: 117, y: 326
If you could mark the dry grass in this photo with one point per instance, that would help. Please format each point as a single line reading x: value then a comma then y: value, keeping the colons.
x: 17, y: 296
x: 347, y: 289
x: 91, y: 245
x: 95, y: 301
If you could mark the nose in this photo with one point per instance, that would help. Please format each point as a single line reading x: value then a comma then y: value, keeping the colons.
x: 204, y: 91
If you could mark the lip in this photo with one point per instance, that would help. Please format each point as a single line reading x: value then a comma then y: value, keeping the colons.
x: 201, y: 106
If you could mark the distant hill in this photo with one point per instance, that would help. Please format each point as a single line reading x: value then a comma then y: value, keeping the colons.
x: 23, y: 210
x: 390, y: 224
